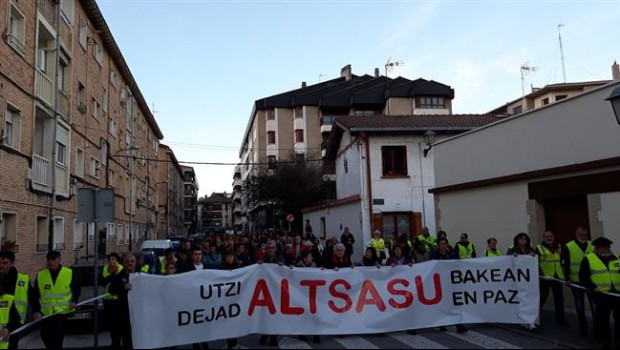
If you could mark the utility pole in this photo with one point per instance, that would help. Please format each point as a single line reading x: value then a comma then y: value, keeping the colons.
x: 562, y: 52
x: 525, y: 68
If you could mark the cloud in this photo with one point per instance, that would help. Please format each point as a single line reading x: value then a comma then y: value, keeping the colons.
x: 410, y: 27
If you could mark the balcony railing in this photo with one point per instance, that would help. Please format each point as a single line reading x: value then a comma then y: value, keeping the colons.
x: 45, y: 88
x: 59, y: 246
x: 48, y: 9
x: 77, y: 246
x: 41, y: 248
x: 40, y: 167
x: 16, y: 43
x: 66, y: 35
x: 63, y: 104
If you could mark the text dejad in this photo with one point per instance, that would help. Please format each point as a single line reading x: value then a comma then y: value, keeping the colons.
x: 488, y: 276
x: 211, y: 314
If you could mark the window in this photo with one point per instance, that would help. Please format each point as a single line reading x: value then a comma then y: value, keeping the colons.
x: 560, y: 97
x: 104, y: 152
x: 394, y: 160
x: 113, y: 129
x: 63, y: 76
x: 271, y: 137
x: 364, y: 113
x: 78, y: 239
x: 104, y: 100
x: 8, y: 227
x: 111, y: 232
x: 299, y: 112
x: 62, y: 142
x: 96, y: 112
x: 127, y: 234
x: 81, y: 98
x: 42, y: 59
x: 12, y: 127
x: 16, y: 36
x: 517, y: 110
x: 271, y: 114
x: 98, y: 53
x: 431, y: 102
x: 91, y: 231
x: 271, y: 160
x: 299, y: 136
x: 79, y: 163
x: 83, y: 35
x: 95, y: 167
x: 119, y: 234
x: 114, y: 78
x: 545, y: 101
x: 42, y: 234
x: 67, y: 9
x: 59, y: 233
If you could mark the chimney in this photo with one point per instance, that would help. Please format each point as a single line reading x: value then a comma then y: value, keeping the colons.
x: 303, y: 84
x: 615, y: 71
x: 376, y: 72
x: 346, y: 72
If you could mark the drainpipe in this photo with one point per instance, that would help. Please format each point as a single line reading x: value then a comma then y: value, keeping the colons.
x: 368, y: 179
x: 50, y: 234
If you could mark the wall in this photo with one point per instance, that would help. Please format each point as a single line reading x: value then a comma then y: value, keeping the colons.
x: 348, y: 183
x: 336, y: 219
x: 610, y: 207
x: 574, y: 130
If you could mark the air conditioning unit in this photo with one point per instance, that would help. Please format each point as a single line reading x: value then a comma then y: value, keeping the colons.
x: 124, y: 94
x: 329, y: 177
x: 82, y: 107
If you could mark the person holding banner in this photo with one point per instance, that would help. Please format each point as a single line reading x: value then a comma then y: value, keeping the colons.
x: 572, y: 257
x: 307, y: 260
x: 271, y: 257
x: 56, y: 293
x: 16, y: 284
x: 119, y: 287
x: 443, y: 253
x: 378, y: 243
x: 552, y: 275
x: 600, y: 273
x: 9, y: 318
x: 110, y: 302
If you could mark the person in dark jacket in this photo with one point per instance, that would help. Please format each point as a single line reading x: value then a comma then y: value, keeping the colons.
x: 339, y: 258
x: 229, y: 262
x: 442, y: 253
x: 370, y: 258
x: 271, y: 257
x: 307, y: 260
x: 8, y: 284
x: 119, y: 287
x: 348, y: 240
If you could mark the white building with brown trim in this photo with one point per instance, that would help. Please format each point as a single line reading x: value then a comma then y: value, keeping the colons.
x: 553, y: 168
x: 383, y: 174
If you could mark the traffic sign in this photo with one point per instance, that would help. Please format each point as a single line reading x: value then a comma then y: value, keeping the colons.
x: 290, y: 218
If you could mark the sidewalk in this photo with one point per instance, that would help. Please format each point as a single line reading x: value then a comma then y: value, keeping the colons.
x: 77, y: 341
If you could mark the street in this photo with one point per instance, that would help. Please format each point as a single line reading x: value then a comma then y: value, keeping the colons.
x: 481, y: 336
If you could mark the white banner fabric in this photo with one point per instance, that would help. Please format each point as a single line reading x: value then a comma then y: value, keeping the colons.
x: 270, y: 299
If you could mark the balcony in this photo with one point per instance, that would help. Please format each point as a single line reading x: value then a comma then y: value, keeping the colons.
x: 16, y: 43
x: 44, y: 88
x: 59, y: 246
x: 77, y: 246
x: 41, y: 248
x: 48, y: 10
x: 66, y: 36
x: 40, y: 167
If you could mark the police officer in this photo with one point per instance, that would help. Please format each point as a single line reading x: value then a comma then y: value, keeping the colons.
x: 550, y: 266
x: 110, y: 302
x: 56, y: 292
x: 15, y: 284
x: 600, y: 273
x: 572, y: 256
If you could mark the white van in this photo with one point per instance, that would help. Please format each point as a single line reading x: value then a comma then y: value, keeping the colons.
x: 156, y: 245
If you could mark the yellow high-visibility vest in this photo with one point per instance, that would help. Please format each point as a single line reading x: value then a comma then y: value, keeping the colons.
x: 20, y: 298
x: 495, y: 253
x: 550, y: 263
x: 576, y: 256
x: 466, y: 252
x: 6, y: 301
x: 379, y: 245
x: 604, y: 278
x: 55, y: 297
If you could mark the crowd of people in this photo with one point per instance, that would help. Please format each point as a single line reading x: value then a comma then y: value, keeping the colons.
x: 587, y: 267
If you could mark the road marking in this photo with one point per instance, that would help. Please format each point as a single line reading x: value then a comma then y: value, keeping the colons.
x: 354, y: 342
x: 484, y: 341
x: 416, y: 341
x: 292, y: 343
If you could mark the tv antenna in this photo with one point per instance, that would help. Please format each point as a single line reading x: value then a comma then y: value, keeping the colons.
x: 389, y: 65
x: 525, y: 69
x: 153, y: 109
x: 562, y: 52
x: 320, y: 76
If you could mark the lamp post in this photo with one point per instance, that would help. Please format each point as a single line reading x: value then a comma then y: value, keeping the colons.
x: 614, y: 99
x: 429, y: 139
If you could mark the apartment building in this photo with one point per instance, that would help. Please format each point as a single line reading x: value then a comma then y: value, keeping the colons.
x: 171, y: 186
x: 216, y: 213
x: 190, y: 198
x: 297, y: 124
x: 71, y: 116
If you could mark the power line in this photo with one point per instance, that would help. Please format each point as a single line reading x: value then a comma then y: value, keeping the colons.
x: 222, y: 163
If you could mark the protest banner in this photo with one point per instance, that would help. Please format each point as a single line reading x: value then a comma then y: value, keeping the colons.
x: 271, y: 299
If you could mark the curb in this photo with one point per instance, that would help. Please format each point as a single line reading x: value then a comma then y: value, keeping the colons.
x: 539, y: 337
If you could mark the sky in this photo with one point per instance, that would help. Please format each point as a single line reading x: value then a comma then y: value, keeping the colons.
x: 203, y: 63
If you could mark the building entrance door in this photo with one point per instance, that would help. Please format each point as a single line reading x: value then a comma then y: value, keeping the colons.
x: 563, y: 215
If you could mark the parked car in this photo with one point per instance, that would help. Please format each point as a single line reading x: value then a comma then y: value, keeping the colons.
x: 82, y: 320
x: 158, y: 246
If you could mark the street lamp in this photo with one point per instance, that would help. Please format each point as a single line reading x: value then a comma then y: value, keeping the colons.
x: 614, y: 99
x: 429, y: 139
